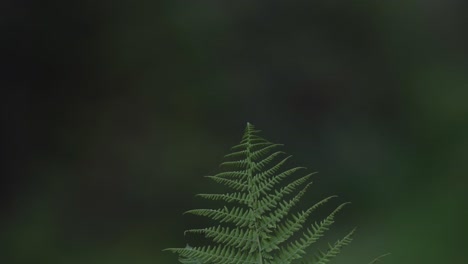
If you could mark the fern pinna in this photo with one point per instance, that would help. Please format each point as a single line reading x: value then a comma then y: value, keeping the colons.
x: 256, y: 225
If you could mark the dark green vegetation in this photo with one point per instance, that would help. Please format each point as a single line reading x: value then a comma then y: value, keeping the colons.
x: 110, y: 107
x: 257, y: 225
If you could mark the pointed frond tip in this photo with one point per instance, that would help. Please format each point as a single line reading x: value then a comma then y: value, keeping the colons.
x: 249, y: 126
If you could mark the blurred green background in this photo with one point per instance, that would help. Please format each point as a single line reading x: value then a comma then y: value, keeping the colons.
x: 112, y: 111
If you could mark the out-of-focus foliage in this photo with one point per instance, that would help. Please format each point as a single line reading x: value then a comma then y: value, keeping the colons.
x: 109, y: 107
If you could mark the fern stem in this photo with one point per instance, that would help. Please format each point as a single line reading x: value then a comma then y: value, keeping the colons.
x: 254, y: 202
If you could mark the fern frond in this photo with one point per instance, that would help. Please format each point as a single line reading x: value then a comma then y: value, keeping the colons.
x: 296, y: 249
x: 258, y: 166
x: 261, y: 176
x: 239, y: 197
x: 254, y: 154
x: 238, y: 216
x: 243, y: 239
x: 236, y: 154
x: 334, y: 250
x: 270, y: 221
x: 242, y: 145
x: 243, y: 164
x: 267, y: 184
x: 237, y: 185
x: 232, y: 174
x: 257, y: 225
x: 287, y: 229
x: 254, y: 139
x: 215, y: 254
x: 261, y: 152
x: 271, y: 200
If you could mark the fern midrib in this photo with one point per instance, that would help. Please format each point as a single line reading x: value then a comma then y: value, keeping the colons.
x: 254, y: 205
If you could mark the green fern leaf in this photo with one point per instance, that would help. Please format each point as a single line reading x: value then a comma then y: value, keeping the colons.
x: 255, y: 225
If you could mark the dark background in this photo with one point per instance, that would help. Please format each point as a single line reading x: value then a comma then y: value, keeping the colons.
x: 112, y: 111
